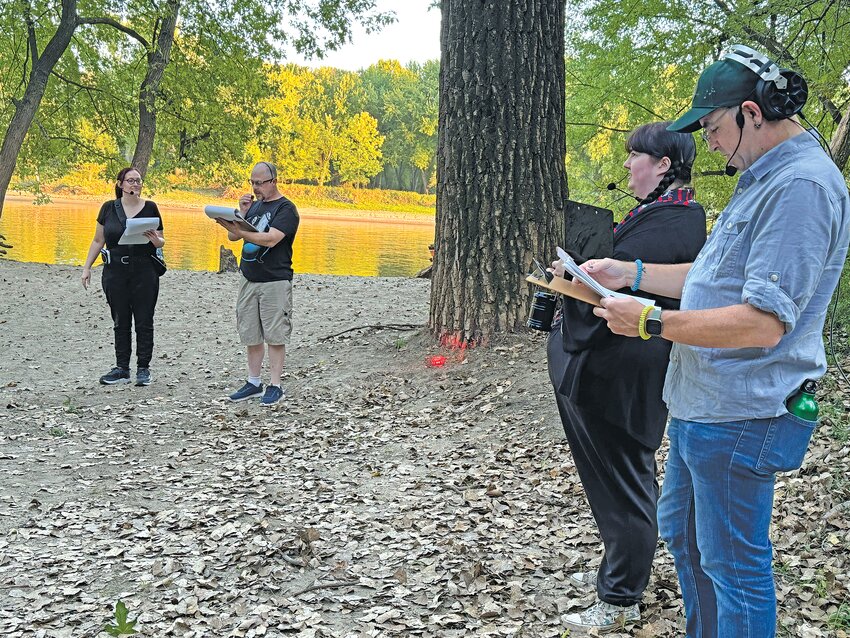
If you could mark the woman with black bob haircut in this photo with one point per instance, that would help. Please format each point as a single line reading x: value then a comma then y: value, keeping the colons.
x: 608, y: 387
x: 130, y: 276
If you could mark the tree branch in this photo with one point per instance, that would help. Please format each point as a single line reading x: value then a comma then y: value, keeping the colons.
x: 117, y: 25
x: 602, y: 126
x: 77, y: 84
x: 32, y: 42
x: 391, y: 326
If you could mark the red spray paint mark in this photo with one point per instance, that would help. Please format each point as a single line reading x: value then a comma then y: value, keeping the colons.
x: 436, y: 361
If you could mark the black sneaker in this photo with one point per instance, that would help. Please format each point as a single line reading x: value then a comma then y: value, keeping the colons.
x: 247, y: 391
x: 116, y: 376
x: 273, y: 394
x: 143, y: 376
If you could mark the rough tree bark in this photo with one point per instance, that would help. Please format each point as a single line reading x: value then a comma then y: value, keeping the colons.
x: 26, y: 107
x: 501, y: 183
x: 158, y: 58
x: 840, y: 143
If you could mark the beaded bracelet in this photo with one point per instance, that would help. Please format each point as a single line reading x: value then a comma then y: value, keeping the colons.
x: 636, y: 285
x: 642, y: 323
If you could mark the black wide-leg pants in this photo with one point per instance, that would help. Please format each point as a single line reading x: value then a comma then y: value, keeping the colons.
x: 131, y: 291
x: 618, y: 474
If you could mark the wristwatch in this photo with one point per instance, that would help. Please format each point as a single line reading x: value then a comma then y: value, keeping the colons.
x: 654, y: 324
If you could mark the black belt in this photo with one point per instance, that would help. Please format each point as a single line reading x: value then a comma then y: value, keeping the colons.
x: 126, y: 259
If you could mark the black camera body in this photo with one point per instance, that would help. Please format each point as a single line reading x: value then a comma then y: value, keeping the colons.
x: 542, y: 311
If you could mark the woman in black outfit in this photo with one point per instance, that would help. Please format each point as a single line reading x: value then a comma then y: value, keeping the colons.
x: 608, y: 387
x: 130, y: 280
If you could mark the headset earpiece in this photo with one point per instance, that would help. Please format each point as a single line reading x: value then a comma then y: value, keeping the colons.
x: 780, y: 104
x: 739, y: 118
x: 780, y: 93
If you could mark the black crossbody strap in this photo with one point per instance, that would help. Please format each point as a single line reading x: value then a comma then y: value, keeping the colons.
x: 119, y: 211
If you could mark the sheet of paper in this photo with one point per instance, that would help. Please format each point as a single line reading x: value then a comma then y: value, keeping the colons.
x: 222, y: 212
x: 573, y: 268
x: 136, y: 228
x: 228, y: 214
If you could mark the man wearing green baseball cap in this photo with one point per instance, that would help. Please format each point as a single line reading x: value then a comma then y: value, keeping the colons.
x: 746, y: 338
x: 722, y: 85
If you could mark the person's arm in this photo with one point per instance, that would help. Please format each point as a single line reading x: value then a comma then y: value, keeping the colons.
x: 739, y: 326
x: 231, y: 228
x: 94, y: 250
x: 268, y: 239
x: 666, y: 280
x: 155, y: 237
x: 234, y: 233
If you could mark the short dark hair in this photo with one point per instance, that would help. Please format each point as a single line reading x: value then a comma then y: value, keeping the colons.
x: 654, y: 139
x: 120, y: 178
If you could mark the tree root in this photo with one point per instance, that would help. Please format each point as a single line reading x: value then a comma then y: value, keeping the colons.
x: 389, y: 326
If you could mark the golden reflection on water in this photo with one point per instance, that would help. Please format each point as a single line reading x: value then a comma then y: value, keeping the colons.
x: 60, y: 233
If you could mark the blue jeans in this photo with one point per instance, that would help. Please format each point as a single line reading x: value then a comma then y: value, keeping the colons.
x: 714, y: 514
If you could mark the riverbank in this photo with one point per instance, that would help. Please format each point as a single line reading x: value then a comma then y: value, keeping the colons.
x: 383, y: 497
x: 338, y: 202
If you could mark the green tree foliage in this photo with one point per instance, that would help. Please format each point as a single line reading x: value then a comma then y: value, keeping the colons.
x: 404, y: 101
x: 359, y: 152
x: 314, y: 131
x: 638, y: 60
x: 116, y: 72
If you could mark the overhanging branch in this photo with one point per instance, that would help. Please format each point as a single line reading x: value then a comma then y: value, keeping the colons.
x: 116, y: 25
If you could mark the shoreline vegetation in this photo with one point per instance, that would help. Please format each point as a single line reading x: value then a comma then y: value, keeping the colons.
x: 329, y: 201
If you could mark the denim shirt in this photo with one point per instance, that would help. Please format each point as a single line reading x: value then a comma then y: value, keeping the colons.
x: 779, y: 245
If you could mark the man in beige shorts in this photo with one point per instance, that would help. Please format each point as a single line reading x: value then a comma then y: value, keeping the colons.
x: 264, y: 303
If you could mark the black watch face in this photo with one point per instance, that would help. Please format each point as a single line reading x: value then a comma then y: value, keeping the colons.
x: 653, y: 327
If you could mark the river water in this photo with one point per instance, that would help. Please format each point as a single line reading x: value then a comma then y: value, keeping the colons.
x: 60, y: 233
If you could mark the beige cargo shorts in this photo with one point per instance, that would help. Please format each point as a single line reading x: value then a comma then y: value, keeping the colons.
x: 264, y: 312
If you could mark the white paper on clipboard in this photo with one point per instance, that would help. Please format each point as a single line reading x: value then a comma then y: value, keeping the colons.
x: 573, y: 268
x: 136, y: 229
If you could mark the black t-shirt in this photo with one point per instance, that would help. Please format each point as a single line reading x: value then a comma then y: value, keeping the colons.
x: 261, y: 263
x: 113, y: 228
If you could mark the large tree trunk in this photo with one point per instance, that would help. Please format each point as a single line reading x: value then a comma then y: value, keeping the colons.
x: 26, y: 108
x: 840, y: 143
x: 501, y: 182
x: 157, y: 61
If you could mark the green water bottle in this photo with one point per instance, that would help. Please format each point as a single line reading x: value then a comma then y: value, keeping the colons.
x: 803, y: 403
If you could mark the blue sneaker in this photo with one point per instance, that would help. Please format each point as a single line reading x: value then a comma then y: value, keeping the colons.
x: 115, y: 376
x: 247, y: 391
x: 143, y: 376
x: 273, y: 394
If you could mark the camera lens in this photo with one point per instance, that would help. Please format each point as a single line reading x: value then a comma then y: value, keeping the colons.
x: 542, y: 311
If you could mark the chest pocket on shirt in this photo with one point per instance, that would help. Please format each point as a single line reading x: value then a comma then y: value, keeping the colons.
x: 732, y: 238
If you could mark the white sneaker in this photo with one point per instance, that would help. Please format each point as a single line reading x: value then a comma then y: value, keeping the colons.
x: 603, y: 617
x: 583, y: 580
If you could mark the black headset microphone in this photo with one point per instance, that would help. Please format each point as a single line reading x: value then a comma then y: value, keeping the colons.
x: 613, y: 187
x: 739, y: 120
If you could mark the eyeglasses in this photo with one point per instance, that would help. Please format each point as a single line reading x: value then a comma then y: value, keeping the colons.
x: 134, y: 180
x: 710, y: 129
x: 260, y: 182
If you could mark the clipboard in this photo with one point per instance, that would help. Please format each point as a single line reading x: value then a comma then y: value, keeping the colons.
x: 134, y: 232
x: 231, y: 215
x: 568, y: 288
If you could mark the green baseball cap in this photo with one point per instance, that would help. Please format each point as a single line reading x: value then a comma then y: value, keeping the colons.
x: 725, y: 83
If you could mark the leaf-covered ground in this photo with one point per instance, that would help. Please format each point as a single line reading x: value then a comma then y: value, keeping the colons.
x: 382, y: 497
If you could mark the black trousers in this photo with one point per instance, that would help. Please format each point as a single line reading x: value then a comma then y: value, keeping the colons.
x: 618, y: 474
x: 131, y: 291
